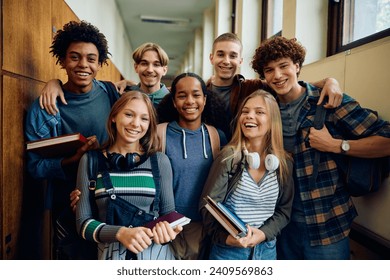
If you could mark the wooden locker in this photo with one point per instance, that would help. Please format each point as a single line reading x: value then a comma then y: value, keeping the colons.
x: 17, y: 94
x: 27, y: 38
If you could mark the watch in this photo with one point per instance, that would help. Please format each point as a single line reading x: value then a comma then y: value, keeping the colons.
x: 345, y: 146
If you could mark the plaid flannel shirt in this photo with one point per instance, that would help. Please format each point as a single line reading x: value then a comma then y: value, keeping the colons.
x: 328, y: 208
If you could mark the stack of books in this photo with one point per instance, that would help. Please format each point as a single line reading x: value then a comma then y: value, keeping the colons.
x: 233, y: 224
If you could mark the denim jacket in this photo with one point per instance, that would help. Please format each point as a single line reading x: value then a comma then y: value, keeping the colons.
x: 39, y: 125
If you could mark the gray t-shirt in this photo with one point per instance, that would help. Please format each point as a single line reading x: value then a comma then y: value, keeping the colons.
x: 289, y: 113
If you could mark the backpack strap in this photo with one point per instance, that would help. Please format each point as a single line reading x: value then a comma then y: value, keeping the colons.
x: 214, y: 140
x: 318, y: 123
x: 97, y: 164
x: 156, y: 178
x: 234, y: 174
x: 111, y: 90
x: 162, y: 135
x: 92, y: 169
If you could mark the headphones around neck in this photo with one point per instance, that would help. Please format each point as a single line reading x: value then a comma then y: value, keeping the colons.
x: 119, y: 162
x: 253, y: 159
x: 271, y: 162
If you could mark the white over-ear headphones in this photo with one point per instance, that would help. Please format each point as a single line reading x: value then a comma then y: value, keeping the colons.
x: 271, y: 162
x: 253, y: 159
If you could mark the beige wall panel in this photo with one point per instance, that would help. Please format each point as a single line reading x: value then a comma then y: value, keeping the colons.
x: 330, y: 67
x: 374, y: 214
x: 27, y: 37
x: 366, y: 79
x: 367, y: 76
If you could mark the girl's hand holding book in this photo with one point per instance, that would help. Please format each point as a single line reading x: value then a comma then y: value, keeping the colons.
x: 253, y: 237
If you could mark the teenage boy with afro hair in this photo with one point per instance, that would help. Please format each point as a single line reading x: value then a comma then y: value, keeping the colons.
x: 81, y: 49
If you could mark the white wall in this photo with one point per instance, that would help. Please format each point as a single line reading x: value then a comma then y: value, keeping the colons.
x: 248, y: 22
x: 198, y: 51
x: 207, y: 43
x: 105, y: 16
x: 223, y: 19
x: 306, y: 20
x: 312, y: 17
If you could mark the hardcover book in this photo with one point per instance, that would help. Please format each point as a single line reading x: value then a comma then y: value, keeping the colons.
x: 174, y: 218
x: 63, y: 145
x: 233, y: 224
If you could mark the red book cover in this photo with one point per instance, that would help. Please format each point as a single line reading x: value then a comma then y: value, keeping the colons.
x: 174, y: 218
x: 63, y: 145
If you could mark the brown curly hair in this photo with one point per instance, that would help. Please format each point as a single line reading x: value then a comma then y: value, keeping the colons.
x: 82, y: 31
x: 276, y: 48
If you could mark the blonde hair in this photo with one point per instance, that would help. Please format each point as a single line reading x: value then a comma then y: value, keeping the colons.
x: 139, y: 52
x: 274, y: 137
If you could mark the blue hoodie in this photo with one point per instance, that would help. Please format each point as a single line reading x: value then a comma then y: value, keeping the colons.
x: 191, y: 157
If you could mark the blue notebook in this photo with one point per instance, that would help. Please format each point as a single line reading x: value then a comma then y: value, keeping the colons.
x: 233, y: 217
x: 233, y: 224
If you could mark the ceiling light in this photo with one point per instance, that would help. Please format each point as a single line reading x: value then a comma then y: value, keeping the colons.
x: 165, y: 20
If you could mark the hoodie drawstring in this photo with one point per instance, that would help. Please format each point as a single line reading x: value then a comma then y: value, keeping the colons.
x: 203, y: 142
x: 184, y: 143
